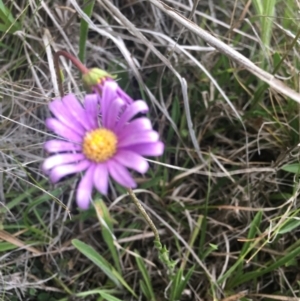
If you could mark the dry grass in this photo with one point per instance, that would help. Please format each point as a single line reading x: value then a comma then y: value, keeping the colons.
x: 219, y: 196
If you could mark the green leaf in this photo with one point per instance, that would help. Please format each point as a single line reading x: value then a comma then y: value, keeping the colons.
x: 6, y: 246
x: 276, y: 59
x: 290, y: 225
x: 292, y: 168
x: 97, y: 259
x: 88, y: 6
x: 9, y: 22
x: 210, y: 249
x: 109, y: 297
x: 107, y: 231
x: 146, y: 284
x: 102, y: 263
x: 21, y: 197
x: 145, y: 290
x: 179, y: 283
x: 175, y: 285
x: 251, y: 234
x: 106, y: 294
x: 281, y: 261
x: 266, y: 12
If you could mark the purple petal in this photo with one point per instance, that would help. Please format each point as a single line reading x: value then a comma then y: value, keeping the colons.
x: 101, y: 178
x: 91, y: 108
x: 123, y: 95
x: 112, y: 113
x: 84, y: 189
x: 62, y: 114
x: 62, y: 130
x: 53, y: 146
x: 140, y: 124
x: 147, y: 149
x: 61, y: 171
x: 132, y: 160
x: 138, y: 138
x: 108, y: 95
x: 136, y: 107
x: 75, y: 108
x: 60, y: 159
x: 120, y: 174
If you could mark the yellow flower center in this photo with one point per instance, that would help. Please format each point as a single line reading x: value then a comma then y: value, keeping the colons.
x: 99, y: 145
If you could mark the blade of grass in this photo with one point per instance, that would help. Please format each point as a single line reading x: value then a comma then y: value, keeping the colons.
x: 292, y: 168
x: 179, y: 283
x: 97, y: 259
x: 29, y: 223
x: 198, y: 226
x: 266, y: 10
x: 269, y: 267
x: 102, y: 263
x: 246, y: 248
x: 204, y: 221
x: 103, y: 293
x: 17, y: 200
x: 84, y: 27
x: 107, y: 231
x: 146, y: 284
x: 290, y: 225
x: 10, y: 24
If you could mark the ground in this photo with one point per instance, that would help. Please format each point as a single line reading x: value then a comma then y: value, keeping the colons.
x: 224, y: 195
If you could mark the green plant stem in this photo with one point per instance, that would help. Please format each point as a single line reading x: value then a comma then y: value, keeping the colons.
x: 83, y: 69
x: 144, y: 214
x: 163, y: 252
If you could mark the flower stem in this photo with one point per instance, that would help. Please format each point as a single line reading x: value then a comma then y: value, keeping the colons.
x: 144, y: 214
x: 73, y: 59
x: 163, y: 252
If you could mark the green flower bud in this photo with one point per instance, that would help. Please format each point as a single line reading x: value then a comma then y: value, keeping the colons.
x: 94, y: 77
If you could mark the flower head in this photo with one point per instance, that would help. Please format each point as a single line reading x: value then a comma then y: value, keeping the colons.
x: 95, y: 79
x: 101, y: 145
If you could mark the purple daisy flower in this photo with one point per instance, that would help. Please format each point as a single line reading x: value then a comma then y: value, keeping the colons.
x: 101, y: 145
